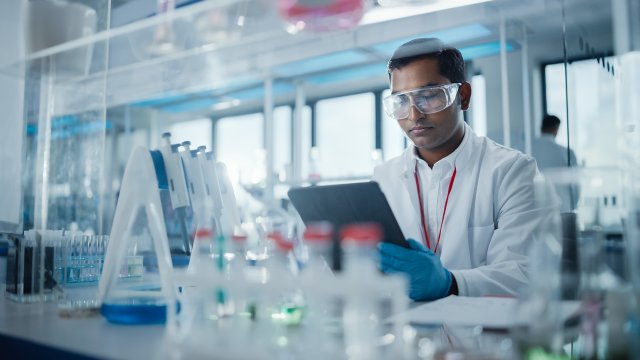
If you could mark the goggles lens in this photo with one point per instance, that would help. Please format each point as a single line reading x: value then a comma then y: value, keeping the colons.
x: 427, y: 100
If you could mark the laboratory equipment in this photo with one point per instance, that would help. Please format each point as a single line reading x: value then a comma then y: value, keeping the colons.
x: 230, y: 210
x: 368, y: 203
x: 220, y: 193
x: 78, y: 258
x: 391, y: 3
x: 202, y: 257
x: 359, y: 243
x: 369, y: 297
x: 49, y: 23
x: 195, y: 183
x: 317, y: 238
x: 219, y: 307
x: 23, y: 270
x: 539, y: 307
x: 177, y: 185
x: 314, y: 15
x: 428, y: 100
x: 70, y: 259
x: 282, y: 269
x: 136, y: 286
x: 164, y: 38
x: 322, y: 303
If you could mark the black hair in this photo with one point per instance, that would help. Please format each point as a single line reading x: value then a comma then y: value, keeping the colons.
x: 549, y: 123
x: 450, y: 61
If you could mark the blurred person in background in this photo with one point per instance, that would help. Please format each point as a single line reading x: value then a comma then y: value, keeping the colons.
x: 551, y: 155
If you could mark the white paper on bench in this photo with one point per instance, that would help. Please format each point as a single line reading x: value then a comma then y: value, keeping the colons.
x: 490, y: 312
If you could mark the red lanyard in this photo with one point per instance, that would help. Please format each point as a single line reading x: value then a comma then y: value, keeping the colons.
x: 444, y: 212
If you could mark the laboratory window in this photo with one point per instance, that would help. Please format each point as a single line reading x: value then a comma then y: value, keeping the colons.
x: 478, y: 106
x: 592, y: 128
x: 306, y: 140
x: 393, y: 139
x: 345, y: 130
x: 282, y: 117
x: 198, y: 132
x: 592, y: 135
x: 240, y: 145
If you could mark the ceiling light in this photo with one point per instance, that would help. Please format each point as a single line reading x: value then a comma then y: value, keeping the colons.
x: 404, y: 8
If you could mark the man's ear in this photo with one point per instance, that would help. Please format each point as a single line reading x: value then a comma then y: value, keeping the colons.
x: 465, y: 95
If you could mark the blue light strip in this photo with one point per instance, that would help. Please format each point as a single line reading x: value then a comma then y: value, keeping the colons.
x: 69, y: 126
x: 320, y: 63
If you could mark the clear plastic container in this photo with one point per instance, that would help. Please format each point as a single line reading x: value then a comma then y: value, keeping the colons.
x: 320, y: 15
x: 362, y: 312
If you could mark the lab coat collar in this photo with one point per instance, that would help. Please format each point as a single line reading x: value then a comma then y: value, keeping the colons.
x: 458, y: 158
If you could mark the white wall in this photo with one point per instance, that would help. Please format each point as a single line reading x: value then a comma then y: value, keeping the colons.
x: 11, y: 119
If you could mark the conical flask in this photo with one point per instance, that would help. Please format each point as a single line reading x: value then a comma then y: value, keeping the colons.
x: 136, y: 285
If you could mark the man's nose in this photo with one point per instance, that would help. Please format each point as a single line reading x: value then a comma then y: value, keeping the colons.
x: 414, y: 113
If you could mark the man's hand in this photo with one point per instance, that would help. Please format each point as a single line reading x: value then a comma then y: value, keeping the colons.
x: 428, y: 279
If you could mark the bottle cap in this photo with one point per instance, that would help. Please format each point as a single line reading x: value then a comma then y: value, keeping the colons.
x: 281, y: 242
x: 320, y: 231
x: 362, y: 232
x: 239, y: 238
x: 204, y: 233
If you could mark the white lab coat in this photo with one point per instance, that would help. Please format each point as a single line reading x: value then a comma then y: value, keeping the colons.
x: 490, y: 218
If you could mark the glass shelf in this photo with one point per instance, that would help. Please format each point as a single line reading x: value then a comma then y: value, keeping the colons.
x: 208, y: 46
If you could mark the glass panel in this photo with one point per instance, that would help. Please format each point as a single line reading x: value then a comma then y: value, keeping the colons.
x: 12, y: 130
x: 345, y: 125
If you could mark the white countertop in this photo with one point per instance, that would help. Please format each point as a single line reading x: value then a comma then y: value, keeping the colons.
x: 93, y: 336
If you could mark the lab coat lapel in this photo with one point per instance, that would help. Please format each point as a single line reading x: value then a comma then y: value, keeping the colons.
x: 411, y: 218
x: 455, y: 234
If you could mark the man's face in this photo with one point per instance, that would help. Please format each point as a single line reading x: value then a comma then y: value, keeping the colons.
x: 430, y: 131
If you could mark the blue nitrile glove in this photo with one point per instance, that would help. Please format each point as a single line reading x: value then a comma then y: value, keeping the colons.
x: 428, y: 279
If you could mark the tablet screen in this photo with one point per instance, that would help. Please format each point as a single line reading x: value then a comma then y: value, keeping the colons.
x: 347, y: 203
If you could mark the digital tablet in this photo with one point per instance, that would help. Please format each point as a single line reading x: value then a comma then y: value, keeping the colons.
x: 347, y: 203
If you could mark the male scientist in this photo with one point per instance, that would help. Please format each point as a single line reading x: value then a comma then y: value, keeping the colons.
x: 465, y: 203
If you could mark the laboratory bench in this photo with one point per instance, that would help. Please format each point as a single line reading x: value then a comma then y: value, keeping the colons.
x: 38, y: 330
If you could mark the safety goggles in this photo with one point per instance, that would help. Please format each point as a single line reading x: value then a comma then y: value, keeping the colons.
x: 428, y: 100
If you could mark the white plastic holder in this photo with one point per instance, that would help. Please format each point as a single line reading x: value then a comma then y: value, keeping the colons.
x: 138, y: 191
